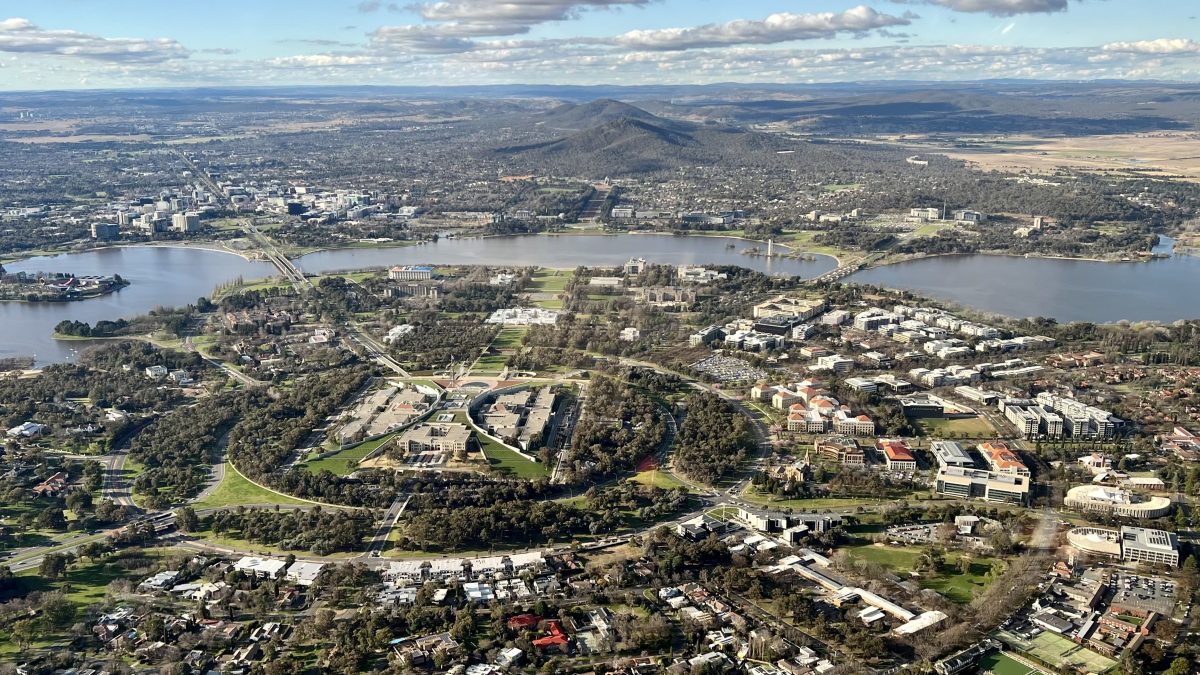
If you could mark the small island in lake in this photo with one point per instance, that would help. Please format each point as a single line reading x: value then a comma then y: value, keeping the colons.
x: 55, y: 286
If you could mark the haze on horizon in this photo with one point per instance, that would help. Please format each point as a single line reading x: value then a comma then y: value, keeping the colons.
x: 139, y: 43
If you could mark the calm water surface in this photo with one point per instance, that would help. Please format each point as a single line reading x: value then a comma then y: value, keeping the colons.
x: 163, y: 276
x: 1164, y: 290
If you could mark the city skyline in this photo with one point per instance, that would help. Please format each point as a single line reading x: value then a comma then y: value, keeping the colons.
x: 80, y: 45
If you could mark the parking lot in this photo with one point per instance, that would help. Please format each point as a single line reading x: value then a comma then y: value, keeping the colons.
x: 729, y: 369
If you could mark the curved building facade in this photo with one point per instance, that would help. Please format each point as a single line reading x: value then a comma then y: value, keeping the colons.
x: 1096, y: 541
x: 1103, y: 499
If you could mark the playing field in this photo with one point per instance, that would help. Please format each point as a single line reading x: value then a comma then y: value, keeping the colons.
x: 966, y: 427
x: 1001, y: 664
x: 1060, y: 652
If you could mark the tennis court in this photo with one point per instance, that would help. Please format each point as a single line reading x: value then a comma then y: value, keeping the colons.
x: 1061, y: 652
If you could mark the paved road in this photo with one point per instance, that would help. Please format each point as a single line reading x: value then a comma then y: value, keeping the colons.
x: 376, y: 350
x: 217, y: 473
x: 229, y: 370
x: 390, y: 518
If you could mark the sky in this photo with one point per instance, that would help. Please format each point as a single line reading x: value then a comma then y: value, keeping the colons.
x: 91, y: 44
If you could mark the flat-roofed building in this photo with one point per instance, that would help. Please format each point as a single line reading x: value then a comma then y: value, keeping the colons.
x: 978, y: 484
x: 263, y: 568
x: 410, y: 273
x: 1025, y: 420
x: 921, y: 407
x: 841, y: 449
x: 451, y: 438
x: 783, y: 305
x: 949, y: 453
x: 1002, y: 459
x: 303, y: 573
x: 1146, y: 545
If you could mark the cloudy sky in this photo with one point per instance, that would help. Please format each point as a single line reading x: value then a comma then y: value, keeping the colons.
x: 60, y: 44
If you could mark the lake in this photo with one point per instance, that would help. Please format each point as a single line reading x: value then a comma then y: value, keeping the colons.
x: 163, y: 276
x: 1066, y: 290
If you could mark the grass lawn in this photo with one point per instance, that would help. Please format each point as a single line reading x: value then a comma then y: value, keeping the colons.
x: 956, y: 586
x: 235, y: 490
x: 503, y: 459
x: 1001, y: 664
x: 803, y: 241
x: 489, y: 364
x: 659, y: 479
x: 930, y: 229
x: 550, y: 281
x: 86, y: 583
x: 510, y: 337
x: 345, y: 462
x: 753, y: 496
x: 549, y: 303
x: 966, y: 427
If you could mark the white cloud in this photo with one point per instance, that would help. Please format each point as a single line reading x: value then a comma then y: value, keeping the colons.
x: 23, y: 36
x: 455, y: 24
x: 515, y: 12
x: 328, y: 60
x: 1159, y: 46
x: 776, y: 28
x: 998, y: 7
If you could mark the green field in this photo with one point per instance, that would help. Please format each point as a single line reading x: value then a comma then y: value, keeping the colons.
x: 754, y: 496
x: 345, y: 462
x: 508, y: 461
x: 549, y: 281
x: 956, y: 586
x: 235, y: 490
x: 489, y: 364
x: 86, y: 582
x: 510, y: 337
x: 1001, y: 664
x: 803, y: 241
x: 930, y: 229
x: 966, y: 427
x: 659, y: 479
x: 1060, y: 652
x: 549, y: 303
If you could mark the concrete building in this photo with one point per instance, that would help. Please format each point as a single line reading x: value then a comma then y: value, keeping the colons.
x: 303, y: 573
x: 841, y: 449
x: 105, y: 231
x: 783, y: 305
x: 706, y: 336
x: 1145, y: 545
x: 977, y: 484
x: 949, y: 453
x: 410, y: 273
x: 449, y: 438
x: 263, y: 568
x: 1115, y: 501
x: 185, y: 222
